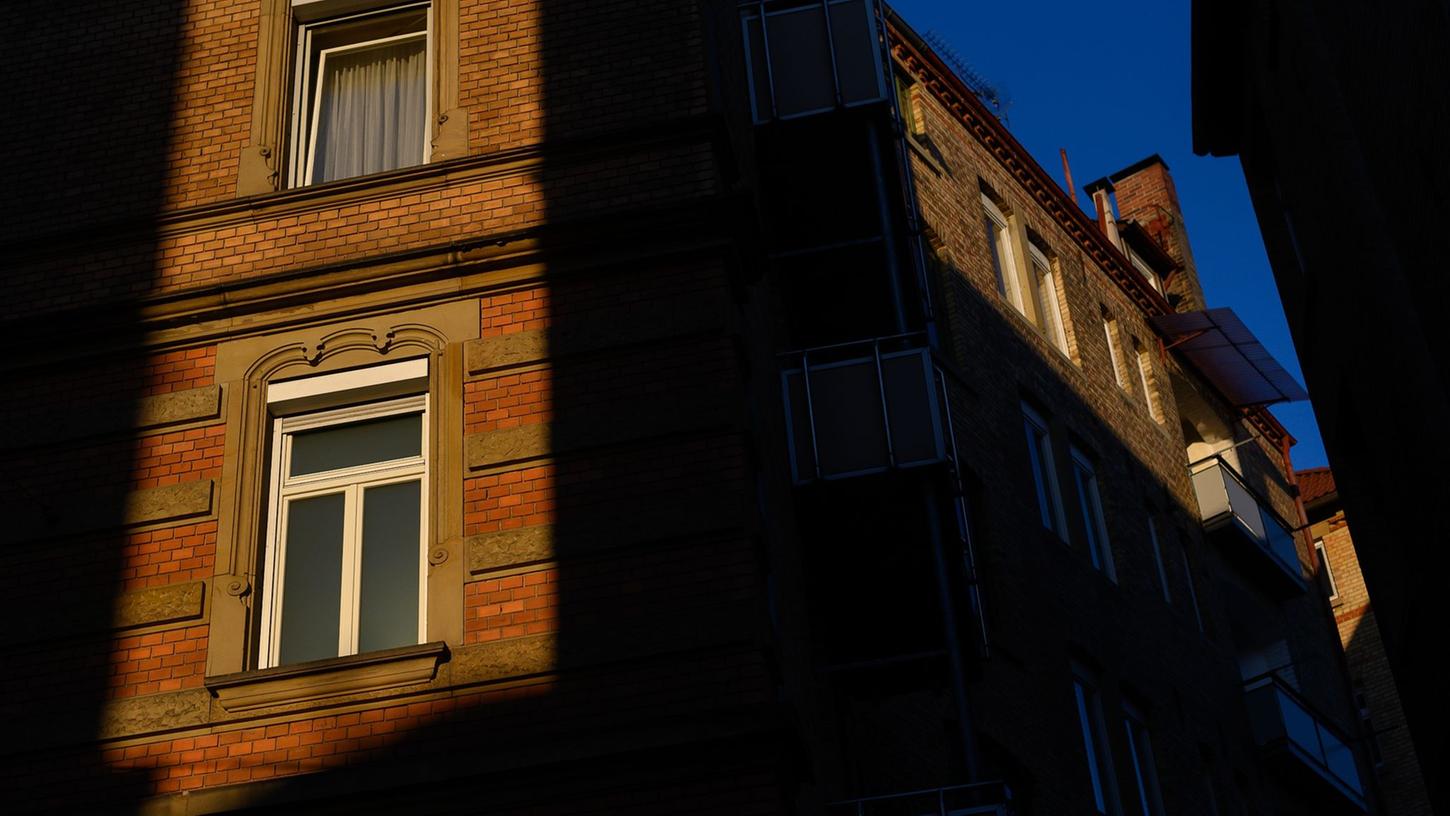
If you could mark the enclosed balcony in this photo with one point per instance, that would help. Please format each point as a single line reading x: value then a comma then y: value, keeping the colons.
x: 981, y: 799
x: 1248, y: 529
x: 854, y: 409
x: 1304, y: 750
x: 811, y: 56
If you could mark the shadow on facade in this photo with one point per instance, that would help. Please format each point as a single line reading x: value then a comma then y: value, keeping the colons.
x: 652, y: 691
x: 86, y: 163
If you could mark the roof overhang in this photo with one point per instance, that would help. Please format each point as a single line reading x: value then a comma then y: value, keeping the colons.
x: 1223, y: 349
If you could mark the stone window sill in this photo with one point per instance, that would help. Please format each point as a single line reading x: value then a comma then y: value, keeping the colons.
x: 325, y: 679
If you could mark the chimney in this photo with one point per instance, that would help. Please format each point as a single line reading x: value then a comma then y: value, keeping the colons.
x: 1102, y: 192
x: 1146, y: 195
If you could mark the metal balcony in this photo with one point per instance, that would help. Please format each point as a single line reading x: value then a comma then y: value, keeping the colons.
x: 1250, y: 531
x: 865, y: 407
x: 806, y: 57
x: 980, y: 799
x: 1305, y: 751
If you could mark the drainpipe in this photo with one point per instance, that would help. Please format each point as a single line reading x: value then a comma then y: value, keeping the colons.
x: 888, y: 233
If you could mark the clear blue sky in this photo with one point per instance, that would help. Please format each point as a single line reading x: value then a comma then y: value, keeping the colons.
x: 1110, y: 83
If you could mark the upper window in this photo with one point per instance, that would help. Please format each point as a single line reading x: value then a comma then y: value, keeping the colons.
x: 345, y: 565
x: 1158, y: 558
x: 1330, y: 587
x: 1115, y: 357
x: 1145, y: 378
x: 361, y: 101
x: 1044, y: 472
x: 1146, y: 271
x: 1095, y: 747
x: 1048, y: 305
x: 1145, y: 770
x: 1091, y: 502
x: 999, y: 238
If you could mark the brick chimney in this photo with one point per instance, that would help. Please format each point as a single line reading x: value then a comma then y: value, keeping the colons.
x: 1146, y: 195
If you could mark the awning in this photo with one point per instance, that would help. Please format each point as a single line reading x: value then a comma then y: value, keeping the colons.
x: 1227, y: 353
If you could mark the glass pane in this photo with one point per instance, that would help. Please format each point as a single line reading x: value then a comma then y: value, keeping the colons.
x: 388, y: 605
x: 800, y: 57
x: 371, y: 110
x: 1090, y: 748
x: 340, y: 446
x: 312, y: 583
x: 858, y: 56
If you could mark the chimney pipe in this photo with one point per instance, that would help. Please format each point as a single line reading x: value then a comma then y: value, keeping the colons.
x: 1106, y: 219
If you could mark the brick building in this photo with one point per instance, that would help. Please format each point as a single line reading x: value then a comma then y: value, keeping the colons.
x: 630, y: 406
x: 1390, y: 750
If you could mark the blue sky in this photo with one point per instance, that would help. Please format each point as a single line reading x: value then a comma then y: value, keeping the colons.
x: 1110, y: 83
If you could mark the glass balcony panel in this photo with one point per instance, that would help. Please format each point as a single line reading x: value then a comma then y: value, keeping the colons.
x: 1340, y: 759
x: 911, y: 395
x: 842, y: 429
x: 857, y: 53
x: 1212, y: 494
x: 1245, y: 508
x: 1281, y: 544
x: 807, y: 65
x: 800, y: 57
x: 1299, y: 725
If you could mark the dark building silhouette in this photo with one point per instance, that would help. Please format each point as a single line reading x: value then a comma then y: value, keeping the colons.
x: 1343, y: 148
x: 596, y: 407
x: 1390, y: 750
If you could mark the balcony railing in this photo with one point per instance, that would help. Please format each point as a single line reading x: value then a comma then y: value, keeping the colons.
x: 859, y: 408
x: 981, y: 799
x: 1226, y: 501
x: 1285, y: 724
x: 811, y: 56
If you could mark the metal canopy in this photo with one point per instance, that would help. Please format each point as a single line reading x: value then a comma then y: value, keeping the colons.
x: 1228, y: 354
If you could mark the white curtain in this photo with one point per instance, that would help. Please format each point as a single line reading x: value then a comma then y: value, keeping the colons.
x: 371, y: 111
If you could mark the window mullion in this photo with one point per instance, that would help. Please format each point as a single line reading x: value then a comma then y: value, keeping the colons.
x: 351, y: 570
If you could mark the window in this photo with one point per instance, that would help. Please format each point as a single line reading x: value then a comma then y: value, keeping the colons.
x: 1145, y: 373
x: 345, y: 569
x: 906, y: 104
x: 1044, y: 472
x: 1188, y: 577
x: 1146, y: 271
x: 1366, y: 724
x: 1095, y: 746
x: 999, y: 238
x: 1110, y: 331
x: 1158, y: 559
x: 1091, y: 503
x: 1145, y: 770
x: 1327, y: 575
x: 360, y: 92
x: 1049, y: 308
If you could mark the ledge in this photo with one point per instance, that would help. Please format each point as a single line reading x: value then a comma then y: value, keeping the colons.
x: 334, y: 677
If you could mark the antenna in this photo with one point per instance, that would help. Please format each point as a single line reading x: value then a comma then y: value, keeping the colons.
x: 979, y: 86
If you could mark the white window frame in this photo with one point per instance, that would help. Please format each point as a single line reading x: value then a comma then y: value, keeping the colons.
x: 1323, y: 554
x: 999, y: 243
x: 1044, y: 279
x: 304, y: 85
x: 350, y: 481
x: 1146, y: 271
x: 1099, y: 546
x: 1158, y: 559
x: 1044, y: 471
x: 1095, y: 745
x: 1145, y: 367
x: 1145, y: 768
x: 1115, y: 357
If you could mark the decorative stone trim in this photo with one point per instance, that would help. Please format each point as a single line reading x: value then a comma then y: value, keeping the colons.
x: 51, y: 428
x: 154, y: 712
x: 167, y: 503
x: 509, y: 447
x: 325, y: 679
x: 99, y: 511
x: 157, y: 605
x: 692, y: 313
